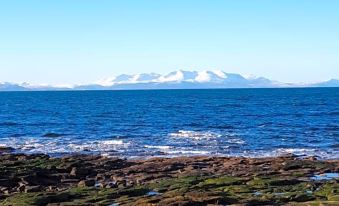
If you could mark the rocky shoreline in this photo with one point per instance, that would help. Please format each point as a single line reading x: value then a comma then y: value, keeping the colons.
x: 95, y: 180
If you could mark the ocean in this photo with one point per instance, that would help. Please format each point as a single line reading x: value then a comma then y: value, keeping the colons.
x: 133, y: 124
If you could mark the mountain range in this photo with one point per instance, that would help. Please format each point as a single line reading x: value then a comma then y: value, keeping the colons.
x: 174, y: 80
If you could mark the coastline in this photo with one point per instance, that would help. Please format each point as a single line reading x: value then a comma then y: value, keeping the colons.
x: 198, y: 180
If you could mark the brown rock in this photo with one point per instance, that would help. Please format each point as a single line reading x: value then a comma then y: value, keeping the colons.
x: 79, y: 172
x: 3, y: 189
x: 175, y: 201
x: 292, y: 165
x: 86, y: 183
x: 202, y: 197
x: 70, y: 181
x: 100, y: 185
x: 52, y: 188
x: 312, y: 158
x: 32, y: 189
x: 111, y: 185
x: 100, y: 177
x: 21, y: 188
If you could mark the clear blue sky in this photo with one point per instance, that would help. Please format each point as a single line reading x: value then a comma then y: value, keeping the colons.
x: 81, y: 41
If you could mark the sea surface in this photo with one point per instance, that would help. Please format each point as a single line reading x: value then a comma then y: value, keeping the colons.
x: 224, y: 122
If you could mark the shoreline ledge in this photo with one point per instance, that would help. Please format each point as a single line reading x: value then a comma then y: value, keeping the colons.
x: 179, y: 181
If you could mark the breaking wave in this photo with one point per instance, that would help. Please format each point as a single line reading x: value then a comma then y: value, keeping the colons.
x: 195, y: 135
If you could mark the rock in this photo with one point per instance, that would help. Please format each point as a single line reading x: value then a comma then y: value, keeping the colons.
x: 100, y: 185
x: 32, y: 189
x: 175, y: 201
x: 333, y: 198
x: 21, y: 188
x: 111, y: 185
x: 283, y: 182
x: 312, y: 158
x: 4, y: 149
x: 292, y: 165
x: 22, y: 184
x: 202, y: 181
x: 100, y: 177
x: 139, y: 181
x: 79, y: 172
x: 2, y: 189
x: 86, y: 183
x: 69, y: 181
x: 302, y: 198
x: 30, y: 180
x: 51, y: 167
x: 203, y: 197
x: 52, y: 188
x: 7, y: 183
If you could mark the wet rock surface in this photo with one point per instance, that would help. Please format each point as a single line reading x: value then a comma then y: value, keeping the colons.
x: 95, y: 180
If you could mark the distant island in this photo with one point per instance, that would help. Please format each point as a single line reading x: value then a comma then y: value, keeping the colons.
x: 174, y: 80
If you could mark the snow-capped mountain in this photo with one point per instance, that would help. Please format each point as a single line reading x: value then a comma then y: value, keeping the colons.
x: 329, y: 83
x: 173, y: 80
x: 6, y: 86
x: 130, y: 79
x: 217, y: 77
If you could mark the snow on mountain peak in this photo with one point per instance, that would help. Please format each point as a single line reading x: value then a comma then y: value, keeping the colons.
x: 220, y: 74
x: 174, y: 80
x: 203, y: 76
x: 172, y: 77
x: 107, y: 82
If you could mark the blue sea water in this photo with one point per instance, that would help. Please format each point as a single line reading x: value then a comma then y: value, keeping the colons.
x: 229, y: 122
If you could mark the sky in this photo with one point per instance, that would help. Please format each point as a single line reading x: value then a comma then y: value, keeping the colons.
x: 83, y: 41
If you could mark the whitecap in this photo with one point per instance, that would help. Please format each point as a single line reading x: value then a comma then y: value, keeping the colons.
x: 113, y: 142
x: 236, y: 141
x: 161, y: 147
x: 285, y: 151
x: 99, y: 146
x: 195, y: 135
x: 59, y: 146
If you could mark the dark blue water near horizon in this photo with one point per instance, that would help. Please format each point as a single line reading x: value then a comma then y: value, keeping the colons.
x: 230, y: 122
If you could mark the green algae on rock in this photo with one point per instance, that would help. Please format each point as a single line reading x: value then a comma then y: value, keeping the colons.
x: 93, y: 180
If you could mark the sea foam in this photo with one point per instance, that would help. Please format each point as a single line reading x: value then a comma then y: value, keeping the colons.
x: 195, y: 135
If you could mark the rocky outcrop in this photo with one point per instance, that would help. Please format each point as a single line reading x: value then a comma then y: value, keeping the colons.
x: 95, y: 180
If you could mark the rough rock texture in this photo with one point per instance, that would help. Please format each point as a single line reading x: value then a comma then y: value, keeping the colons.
x: 94, y: 180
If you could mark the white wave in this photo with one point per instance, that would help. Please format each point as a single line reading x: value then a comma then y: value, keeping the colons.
x: 285, y: 151
x: 113, y: 142
x: 306, y: 152
x: 235, y: 141
x: 182, y: 143
x: 48, y: 146
x: 99, y: 146
x: 157, y: 147
x: 194, y: 135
